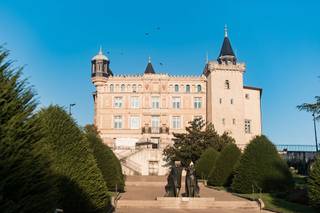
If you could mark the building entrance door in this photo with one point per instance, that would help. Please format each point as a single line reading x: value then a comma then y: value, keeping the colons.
x: 153, y: 167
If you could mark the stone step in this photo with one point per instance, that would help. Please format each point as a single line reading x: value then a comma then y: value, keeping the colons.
x: 187, y: 203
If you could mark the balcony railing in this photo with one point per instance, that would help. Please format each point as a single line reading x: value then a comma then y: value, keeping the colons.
x: 155, y: 130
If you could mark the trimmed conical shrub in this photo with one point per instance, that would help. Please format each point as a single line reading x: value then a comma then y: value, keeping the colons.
x: 261, y: 168
x: 206, y: 163
x: 26, y: 184
x: 80, y: 182
x: 107, y: 162
x: 314, y: 184
x: 223, y: 171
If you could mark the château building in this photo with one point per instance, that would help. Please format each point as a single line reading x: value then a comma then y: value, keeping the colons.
x: 137, y: 114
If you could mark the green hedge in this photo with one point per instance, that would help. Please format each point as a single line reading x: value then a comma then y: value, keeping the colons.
x: 26, y: 184
x: 314, y: 184
x: 206, y: 163
x: 107, y: 162
x: 223, y: 171
x: 80, y: 182
x: 261, y: 167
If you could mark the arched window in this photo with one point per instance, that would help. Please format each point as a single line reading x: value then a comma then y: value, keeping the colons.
x: 187, y: 88
x: 123, y: 87
x: 134, y: 88
x: 176, y: 88
x: 227, y: 84
x: 198, y: 88
x: 111, y: 88
x: 93, y: 67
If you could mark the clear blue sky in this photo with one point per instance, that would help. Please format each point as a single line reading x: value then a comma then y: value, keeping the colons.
x: 278, y: 40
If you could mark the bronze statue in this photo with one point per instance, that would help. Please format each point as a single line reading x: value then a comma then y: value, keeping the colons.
x: 192, y: 187
x: 174, y: 180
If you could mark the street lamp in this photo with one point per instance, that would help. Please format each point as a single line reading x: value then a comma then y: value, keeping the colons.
x: 70, y: 106
x: 315, y: 131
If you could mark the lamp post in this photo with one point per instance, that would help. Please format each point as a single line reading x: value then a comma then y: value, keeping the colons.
x: 315, y: 131
x: 70, y: 106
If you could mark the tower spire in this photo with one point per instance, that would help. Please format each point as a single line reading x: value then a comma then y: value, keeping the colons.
x: 100, y: 50
x: 149, y: 59
x: 207, y: 57
x: 226, y: 53
x: 225, y: 30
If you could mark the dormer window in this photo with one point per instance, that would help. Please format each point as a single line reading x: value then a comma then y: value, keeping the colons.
x: 227, y: 84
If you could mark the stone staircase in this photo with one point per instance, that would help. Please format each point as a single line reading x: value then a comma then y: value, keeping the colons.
x: 188, y: 203
x: 123, y: 156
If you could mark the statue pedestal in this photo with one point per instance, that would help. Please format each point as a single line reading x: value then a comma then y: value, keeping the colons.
x: 186, y: 202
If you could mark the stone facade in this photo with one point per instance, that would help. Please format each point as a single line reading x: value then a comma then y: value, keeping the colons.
x: 137, y: 114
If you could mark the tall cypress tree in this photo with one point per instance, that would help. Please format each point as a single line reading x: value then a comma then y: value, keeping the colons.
x: 107, y: 161
x: 261, y: 167
x: 80, y: 182
x: 25, y: 180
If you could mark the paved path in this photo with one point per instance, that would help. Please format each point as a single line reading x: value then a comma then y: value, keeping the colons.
x: 148, y: 188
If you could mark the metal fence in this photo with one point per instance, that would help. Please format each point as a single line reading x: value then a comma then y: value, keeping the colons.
x: 295, y: 148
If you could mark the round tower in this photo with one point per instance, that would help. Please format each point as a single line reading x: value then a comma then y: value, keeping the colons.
x: 100, y: 70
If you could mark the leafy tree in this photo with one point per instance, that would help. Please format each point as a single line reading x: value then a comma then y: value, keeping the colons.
x: 262, y: 168
x: 312, y: 107
x: 26, y: 184
x: 222, y: 173
x: 80, y: 182
x: 206, y: 163
x: 189, y: 146
x: 314, y: 184
x: 107, y: 162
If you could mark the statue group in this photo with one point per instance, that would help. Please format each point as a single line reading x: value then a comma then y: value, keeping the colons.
x: 174, y: 181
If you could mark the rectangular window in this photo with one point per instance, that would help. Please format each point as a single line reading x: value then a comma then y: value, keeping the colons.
x: 247, y: 126
x: 220, y: 100
x: 176, y: 102
x: 223, y: 121
x: 197, y: 103
x: 234, y: 121
x: 176, y: 122
x: 135, y: 122
x: 135, y: 102
x: 117, y: 102
x: 155, y: 102
x: 117, y: 122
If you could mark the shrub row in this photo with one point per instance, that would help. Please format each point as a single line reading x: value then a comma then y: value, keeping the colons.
x: 259, y: 168
x: 47, y: 161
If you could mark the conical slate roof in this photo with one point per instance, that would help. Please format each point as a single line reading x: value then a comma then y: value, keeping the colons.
x: 226, y: 48
x: 149, y: 68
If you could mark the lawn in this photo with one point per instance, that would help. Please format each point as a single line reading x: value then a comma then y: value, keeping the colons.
x: 275, y: 204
